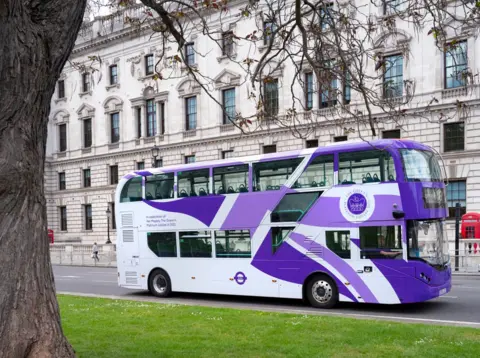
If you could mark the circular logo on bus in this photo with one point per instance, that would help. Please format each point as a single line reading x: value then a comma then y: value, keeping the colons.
x: 240, y: 278
x: 357, y: 205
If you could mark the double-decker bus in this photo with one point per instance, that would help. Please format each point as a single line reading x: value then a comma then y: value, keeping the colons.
x: 353, y: 222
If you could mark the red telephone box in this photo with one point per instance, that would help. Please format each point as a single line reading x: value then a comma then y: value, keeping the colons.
x: 51, y: 236
x: 471, y: 226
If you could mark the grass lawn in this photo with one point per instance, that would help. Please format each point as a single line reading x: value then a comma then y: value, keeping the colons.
x: 118, y: 328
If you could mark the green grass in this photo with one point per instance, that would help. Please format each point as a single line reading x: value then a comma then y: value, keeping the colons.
x: 118, y: 328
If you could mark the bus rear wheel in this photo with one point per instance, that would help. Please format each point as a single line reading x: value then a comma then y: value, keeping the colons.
x: 159, y: 283
x: 322, y: 292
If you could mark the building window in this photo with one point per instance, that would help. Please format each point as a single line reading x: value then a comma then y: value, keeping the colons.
x: 453, y: 136
x: 62, y: 133
x: 162, y: 244
x: 233, y: 244
x: 393, y: 77
x: 63, y: 218
x: 61, y: 89
x: 113, y: 174
x: 392, y: 134
x: 189, y: 54
x: 87, y: 133
x: 390, y: 6
x: 228, y: 105
x: 189, y: 159
x: 456, y: 61
x: 151, y: 118
x: 158, y: 163
x: 88, y: 217
x: 191, y: 113
x: 140, y: 165
x: 86, y: 82
x: 341, y: 138
x: 311, y: 143
x: 113, y: 74
x: 309, y: 90
x: 227, y: 154
x: 267, y: 149
x: 149, y: 65
x: 271, y: 97
x: 115, y: 127
x: 227, y: 43
x: 87, y: 181
x: 347, y: 87
x: 325, y: 16
x: 113, y: 222
x: 328, y: 86
x: 268, y: 32
x: 162, y: 118
x: 61, y: 181
x: 456, y: 193
x: 139, y: 122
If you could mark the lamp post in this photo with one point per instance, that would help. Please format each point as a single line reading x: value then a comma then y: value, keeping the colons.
x: 109, y: 213
x: 155, y: 152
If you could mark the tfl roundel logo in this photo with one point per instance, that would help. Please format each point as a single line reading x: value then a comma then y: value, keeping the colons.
x: 240, y: 278
x: 357, y: 205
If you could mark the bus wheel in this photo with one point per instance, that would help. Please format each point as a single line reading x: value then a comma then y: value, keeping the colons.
x: 159, y: 283
x: 322, y: 292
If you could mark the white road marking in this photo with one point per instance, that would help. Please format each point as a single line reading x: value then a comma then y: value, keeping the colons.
x: 448, y: 297
x: 283, y: 310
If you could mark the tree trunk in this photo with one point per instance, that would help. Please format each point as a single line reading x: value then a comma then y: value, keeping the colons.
x: 36, y: 38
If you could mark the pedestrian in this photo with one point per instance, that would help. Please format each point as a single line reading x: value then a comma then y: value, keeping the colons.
x: 95, y: 252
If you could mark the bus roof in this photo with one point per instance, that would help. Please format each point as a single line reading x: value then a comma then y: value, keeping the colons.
x: 328, y: 149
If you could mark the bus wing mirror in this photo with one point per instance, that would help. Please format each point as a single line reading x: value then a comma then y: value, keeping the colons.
x: 398, y: 214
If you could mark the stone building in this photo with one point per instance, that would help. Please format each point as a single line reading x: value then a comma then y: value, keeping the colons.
x: 105, y: 124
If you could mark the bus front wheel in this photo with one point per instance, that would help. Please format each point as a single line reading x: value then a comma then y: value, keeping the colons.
x: 159, y: 283
x: 322, y: 292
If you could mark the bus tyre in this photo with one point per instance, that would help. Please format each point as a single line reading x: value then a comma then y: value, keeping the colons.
x: 322, y: 292
x: 159, y: 283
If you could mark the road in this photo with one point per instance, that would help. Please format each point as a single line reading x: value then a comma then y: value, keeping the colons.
x: 460, y: 307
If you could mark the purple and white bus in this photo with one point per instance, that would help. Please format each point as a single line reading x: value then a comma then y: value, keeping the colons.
x: 351, y: 222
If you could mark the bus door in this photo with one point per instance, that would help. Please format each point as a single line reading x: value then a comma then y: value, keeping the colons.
x: 381, y: 243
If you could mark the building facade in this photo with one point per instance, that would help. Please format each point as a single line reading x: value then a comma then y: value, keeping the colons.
x: 110, y: 110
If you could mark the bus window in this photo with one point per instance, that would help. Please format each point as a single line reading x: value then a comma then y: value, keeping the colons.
x: 366, y: 167
x: 132, y: 190
x: 162, y: 244
x: 272, y: 175
x: 381, y: 242
x: 230, y: 180
x: 293, y: 207
x: 233, y: 244
x: 159, y: 186
x: 193, y: 183
x: 339, y: 243
x: 318, y: 173
x: 279, y: 235
x: 195, y: 244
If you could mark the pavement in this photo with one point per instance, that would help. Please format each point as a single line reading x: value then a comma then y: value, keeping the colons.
x: 460, y: 307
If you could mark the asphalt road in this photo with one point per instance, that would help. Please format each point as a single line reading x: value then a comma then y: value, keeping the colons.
x: 461, y: 306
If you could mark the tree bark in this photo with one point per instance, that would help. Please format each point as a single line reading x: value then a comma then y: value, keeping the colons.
x: 36, y: 38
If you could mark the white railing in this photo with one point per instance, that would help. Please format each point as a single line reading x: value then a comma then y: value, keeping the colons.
x: 81, y: 255
x: 468, y: 255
